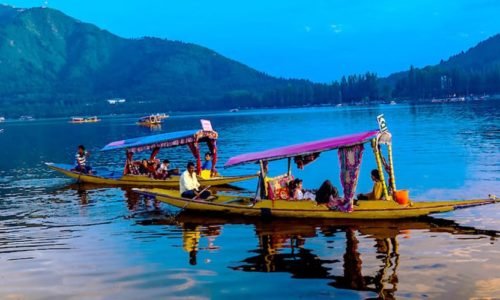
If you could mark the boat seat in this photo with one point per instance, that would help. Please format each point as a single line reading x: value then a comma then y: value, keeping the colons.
x: 277, y: 187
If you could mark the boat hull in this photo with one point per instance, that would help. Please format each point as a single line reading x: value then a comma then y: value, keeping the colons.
x: 365, y: 209
x: 113, y: 178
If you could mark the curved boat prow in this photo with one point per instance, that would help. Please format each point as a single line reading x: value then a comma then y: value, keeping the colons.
x: 492, y: 199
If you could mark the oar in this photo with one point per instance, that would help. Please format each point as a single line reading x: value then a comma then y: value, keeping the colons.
x: 201, y: 192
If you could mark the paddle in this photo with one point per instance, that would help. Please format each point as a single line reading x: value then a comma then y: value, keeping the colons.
x: 194, y: 198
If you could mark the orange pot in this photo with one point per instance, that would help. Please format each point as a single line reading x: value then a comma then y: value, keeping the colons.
x: 402, y: 196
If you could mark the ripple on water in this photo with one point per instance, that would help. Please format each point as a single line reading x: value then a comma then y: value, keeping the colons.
x: 61, y: 240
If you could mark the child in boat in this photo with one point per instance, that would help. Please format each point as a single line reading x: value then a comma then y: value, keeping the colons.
x: 206, y: 168
x: 297, y: 190
x: 377, y: 191
x: 163, y: 170
x: 207, y: 164
x: 81, y: 160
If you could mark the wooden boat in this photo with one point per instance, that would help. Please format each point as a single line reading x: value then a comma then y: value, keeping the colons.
x: 79, y: 120
x: 114, y: 178
x: 191, y: 138
x: 364, y: 209
x: 152, y: 120
x: 267, y: 203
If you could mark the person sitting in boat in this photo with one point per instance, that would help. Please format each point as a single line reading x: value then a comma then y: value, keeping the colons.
x: 207, y: 164
x: 130, y: 166
x: 81, y: 160
x: 206, y: 168
x: 144, y: 168
x: 378, y: 188
x: 326, y: 193
x: 163, y: 170
x: 189, y: 185
x: 298, y: 192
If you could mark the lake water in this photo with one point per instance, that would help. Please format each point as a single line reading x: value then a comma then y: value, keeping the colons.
x: 59, y: 240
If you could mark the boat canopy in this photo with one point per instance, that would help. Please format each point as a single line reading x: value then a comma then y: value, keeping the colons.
x: 303, y: 149
x: 191, y: 138
x: 350, y: 151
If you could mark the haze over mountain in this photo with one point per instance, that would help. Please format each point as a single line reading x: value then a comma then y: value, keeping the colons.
x: 52, y: 64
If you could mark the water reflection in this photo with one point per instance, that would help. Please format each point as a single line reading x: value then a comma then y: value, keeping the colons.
x: 191, y: 235
x: 283, y: 247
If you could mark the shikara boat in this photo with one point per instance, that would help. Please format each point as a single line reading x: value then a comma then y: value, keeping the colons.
x: 191, y: 138
x: 350, y: 148
x: 152, y: 120
x: 363, y: 209
x: 80, y: 120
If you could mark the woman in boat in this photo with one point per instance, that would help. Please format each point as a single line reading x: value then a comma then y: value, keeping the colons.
x: 144, y: 167
x: 326, y: 193
x: 377, y: 191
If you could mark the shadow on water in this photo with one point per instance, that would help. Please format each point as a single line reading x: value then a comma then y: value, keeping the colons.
x: 283, y: 246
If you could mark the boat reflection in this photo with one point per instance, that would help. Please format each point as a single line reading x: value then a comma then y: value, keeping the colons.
x: 152, y: 127
x: 133, y: 199
x: 191, y: 235
x: 282, y: 247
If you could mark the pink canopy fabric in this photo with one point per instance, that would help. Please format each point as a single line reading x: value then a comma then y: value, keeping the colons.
x: 302, y: 149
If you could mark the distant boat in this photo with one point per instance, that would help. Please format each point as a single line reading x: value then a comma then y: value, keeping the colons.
x: 338, y: 105
x: 234, y: 110
x: 116, y: 101
x: 2, y: 119
x: 393, y: 102
x: 79, y: 120
x: 152, y: 120
x: 1, y: 130
x: 26, y: 118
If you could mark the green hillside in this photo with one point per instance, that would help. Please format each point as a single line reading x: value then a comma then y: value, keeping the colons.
x: 48, y: 58
x: 476, y: 72
x: 54, y: 65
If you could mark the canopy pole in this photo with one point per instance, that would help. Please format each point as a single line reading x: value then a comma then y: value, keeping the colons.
x: 289, y: 166
x: 261, y: 186
x: 391, y: 164
x: 198, y: 158
x: 377, y: 154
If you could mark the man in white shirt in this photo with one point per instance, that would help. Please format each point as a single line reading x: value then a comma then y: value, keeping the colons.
x: 188, y: 184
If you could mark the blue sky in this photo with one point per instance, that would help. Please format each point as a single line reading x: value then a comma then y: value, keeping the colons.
x: 320, y: 40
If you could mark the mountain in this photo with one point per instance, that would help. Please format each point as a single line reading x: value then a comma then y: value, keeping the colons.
x: 54, y: 65
x: 476, y: 71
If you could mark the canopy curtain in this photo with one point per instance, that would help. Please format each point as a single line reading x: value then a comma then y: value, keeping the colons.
x: 195, y: 149
x: 350, y: 161
x: 212, y: 146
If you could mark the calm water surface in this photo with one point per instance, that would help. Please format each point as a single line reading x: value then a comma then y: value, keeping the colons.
x: 59, y: 240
